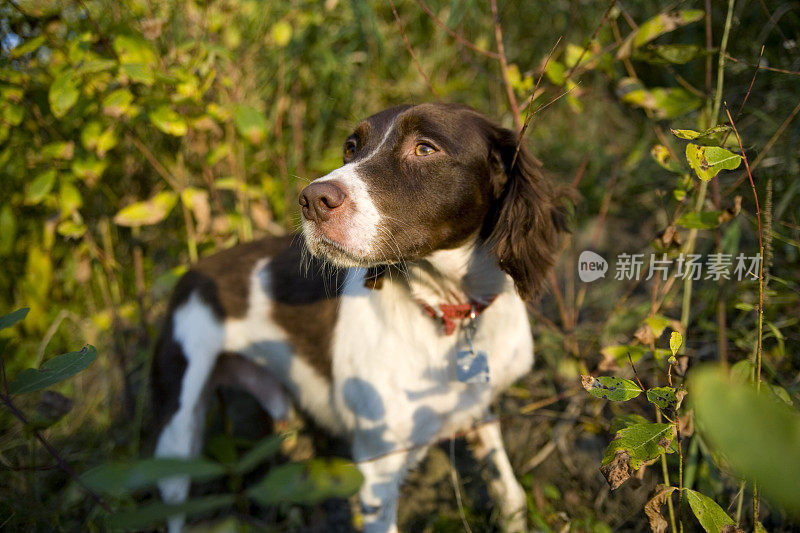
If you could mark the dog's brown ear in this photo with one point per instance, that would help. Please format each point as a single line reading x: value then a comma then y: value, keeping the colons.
x: 529, y: 213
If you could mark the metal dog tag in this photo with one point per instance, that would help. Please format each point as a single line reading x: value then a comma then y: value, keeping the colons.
x: 473, y: 367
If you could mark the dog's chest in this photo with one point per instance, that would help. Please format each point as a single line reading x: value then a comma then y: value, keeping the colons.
x: 395, y: 370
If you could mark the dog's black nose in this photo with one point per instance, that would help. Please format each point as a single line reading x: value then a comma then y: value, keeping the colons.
x: 319, y: 199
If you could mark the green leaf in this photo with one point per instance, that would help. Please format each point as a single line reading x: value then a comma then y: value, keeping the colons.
x: 125, y: 477
x: 40, y: 187
x: 89, y: 169
x: 146, y: 516
x: 611, y: 388
x: 701, y: 220
x: 117, y: 103
x: 308, y: 482
x: 669, y: 54
x: 27, y: 47
x: 6, y: 321
x: 665, y: 160
x: 71, y: 229
x: 710, y: 515
x: 658, y: 324
x: 53, y: 371
x: 63, y: 94
x: 58, y: 150
x: 707, y: 161
x: 691, y: 134
x: 250, y: 123
x: 657, y: 26
x: 626, y: 420
x: 138, y: 73
x: 556, y: 72
x: 12, y: 113
x: 620, y: 353
x: 663, y: 397
x: 137, y: 58
x: 756, y: 434
x: 168, y: 121
x: 642, y: 442
x: 675, y: 342
x: 281, y: 33
x: 134, y: 49
x: 151, y: 211
x: 69, y: 199
x: 39, y: 8
x: 8, y: 230
x: 664, y: 102
x: 259, y: 453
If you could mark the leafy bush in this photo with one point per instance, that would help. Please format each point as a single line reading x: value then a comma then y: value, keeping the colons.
x: 137, y: 136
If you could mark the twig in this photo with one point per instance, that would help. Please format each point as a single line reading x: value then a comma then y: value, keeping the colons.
x: 100, y: 34
x: 534, y: 406
x: 154, y: 162
x: 757, y: 369
x: 411, y: 50
x: 586, y: 48
x: 752, y: 81
x: 767, y: 147
x: 635, y: 373
x: 529, y: 116
x: 456, y: 485
x: 501, y: 52
x: 757, y: 363
x: 763, y: 67
x: 454, y: 34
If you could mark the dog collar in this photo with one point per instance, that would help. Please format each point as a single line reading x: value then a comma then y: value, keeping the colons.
x: 449, y: 313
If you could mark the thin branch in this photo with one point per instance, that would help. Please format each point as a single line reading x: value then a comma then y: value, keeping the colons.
x: 767, y: 147
x: 752, y: 81
x: 411, y: 50
x: 100, y: 34
x: 763, y: 67
x: 761, y: 251
x: 454, y: 34
x: 501, y: 52
x: 592, y: 38
x: 529, y: 115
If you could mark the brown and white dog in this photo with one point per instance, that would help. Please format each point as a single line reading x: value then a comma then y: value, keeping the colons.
x: 397, y: 318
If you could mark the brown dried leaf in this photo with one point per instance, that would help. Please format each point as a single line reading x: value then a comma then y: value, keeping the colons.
x: 618, y: 470
x: 686, y: 424
x: 645, y: 335
x: 653, y: 508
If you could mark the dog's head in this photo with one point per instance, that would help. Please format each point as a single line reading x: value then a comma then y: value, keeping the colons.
x: 417, y: 179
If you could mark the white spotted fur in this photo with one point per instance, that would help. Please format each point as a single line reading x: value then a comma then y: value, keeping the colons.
x: 394, y: 389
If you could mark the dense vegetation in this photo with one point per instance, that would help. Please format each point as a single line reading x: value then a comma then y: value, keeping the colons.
x: 137, y: 136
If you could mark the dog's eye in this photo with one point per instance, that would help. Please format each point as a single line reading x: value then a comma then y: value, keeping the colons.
x: 423, y: 149
x: 349, y: 150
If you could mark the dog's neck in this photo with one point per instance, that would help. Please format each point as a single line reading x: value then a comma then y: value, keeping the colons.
x: 456, y: 276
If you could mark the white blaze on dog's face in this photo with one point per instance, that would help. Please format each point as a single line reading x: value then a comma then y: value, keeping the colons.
x: 417, y: 179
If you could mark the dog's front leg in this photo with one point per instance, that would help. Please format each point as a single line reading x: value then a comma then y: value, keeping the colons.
x: 487, y: 442
x: 383, y: 475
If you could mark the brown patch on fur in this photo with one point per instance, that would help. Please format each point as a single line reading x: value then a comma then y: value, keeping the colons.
x: 222, y: 281
x: 306, y: 303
